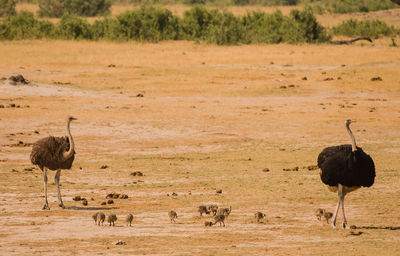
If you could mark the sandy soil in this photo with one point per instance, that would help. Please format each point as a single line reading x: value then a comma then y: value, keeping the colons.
x: 210, y: 118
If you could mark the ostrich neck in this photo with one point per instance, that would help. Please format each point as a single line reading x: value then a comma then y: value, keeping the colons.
x: 353, y: 140
x: 70, y: 152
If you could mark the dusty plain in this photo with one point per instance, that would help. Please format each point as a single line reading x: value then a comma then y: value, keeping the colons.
x: 211, y: 117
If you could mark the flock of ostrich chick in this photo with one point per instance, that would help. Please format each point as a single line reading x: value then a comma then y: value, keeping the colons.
x: 343, y: 169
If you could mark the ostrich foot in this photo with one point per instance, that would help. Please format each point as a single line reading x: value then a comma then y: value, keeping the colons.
x: 61, y: 205
x: 46, y: 206
x: 333, y: 225
x: 345, y: 226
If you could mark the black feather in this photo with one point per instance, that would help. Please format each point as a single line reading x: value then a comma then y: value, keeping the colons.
x: 340, y: 165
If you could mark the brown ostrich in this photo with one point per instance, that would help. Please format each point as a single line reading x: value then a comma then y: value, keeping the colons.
x: 54, y: 153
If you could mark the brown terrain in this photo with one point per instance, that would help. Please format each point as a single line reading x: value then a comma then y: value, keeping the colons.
x: 188, y: 120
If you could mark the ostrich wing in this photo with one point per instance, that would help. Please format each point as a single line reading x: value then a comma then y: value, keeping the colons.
x: 339, y: 165
x: 328, y: 152
x: 47, y: 152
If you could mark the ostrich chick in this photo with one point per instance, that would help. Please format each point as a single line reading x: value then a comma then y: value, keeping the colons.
x: 172, y: 216
x: 219, y: 218
x: 129, y: 219
x: 319, y: 213
x: 112, y: 218
x: 213, y: 208
x: 203, y: 209
x: 225, y: 211
x: 327, y: 216
x: 258, y: 216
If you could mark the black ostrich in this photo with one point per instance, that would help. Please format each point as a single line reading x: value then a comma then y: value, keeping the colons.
x: 54, y: 153
x: 344, y: 169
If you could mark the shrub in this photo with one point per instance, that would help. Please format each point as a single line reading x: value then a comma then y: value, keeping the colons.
x: 349, y: 6
x: 144, y: 24
x: 73, y: 27
x: 374, y: 28
x: 308, y: 26
x: 25, y: 26
x: 88, y: 8
x: 197, y: 21
x: 227, y: 30
x: 57, y: 8
x: 7, y: 7
x: 51, y: 8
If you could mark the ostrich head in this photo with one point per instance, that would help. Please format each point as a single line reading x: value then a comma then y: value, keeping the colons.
x: 349, y: 121
x: 70, y: 118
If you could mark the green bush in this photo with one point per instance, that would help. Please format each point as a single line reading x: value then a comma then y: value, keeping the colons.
x: 306, y: 23
x: 300, y: 26
x: 51, y: 8
x: 197, y: 21
x: 144, y: 24
x: 349, y: 6
x: 374, y: 28
x: 73, y: 27
x: 88, y: 8
x: 7, y: 7
x: 227, y: 30
x: 25, y: 26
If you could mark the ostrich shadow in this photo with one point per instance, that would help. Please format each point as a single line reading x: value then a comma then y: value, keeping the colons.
x: 77, y: 208
x: 379, y: 227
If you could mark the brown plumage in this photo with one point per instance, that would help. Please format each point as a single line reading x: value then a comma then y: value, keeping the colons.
x: 48, y: 152
x: 54, y: 153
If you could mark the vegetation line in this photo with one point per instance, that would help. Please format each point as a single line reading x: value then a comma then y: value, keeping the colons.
x: 154, y: 24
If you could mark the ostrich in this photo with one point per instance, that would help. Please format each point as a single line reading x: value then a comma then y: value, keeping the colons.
x: 344, y: 169
x: 54, y: 153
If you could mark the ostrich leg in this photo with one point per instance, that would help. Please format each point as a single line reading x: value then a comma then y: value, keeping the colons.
x: 46, y: 204
x: 333, y: 221
x: 341, y: 198
x: 57, y: 180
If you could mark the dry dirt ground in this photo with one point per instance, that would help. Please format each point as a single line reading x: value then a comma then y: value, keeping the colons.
x: 211, y: 117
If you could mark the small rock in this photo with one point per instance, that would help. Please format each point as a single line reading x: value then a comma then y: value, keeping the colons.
x: 103, y: 203
x: 137, y: 173
x: 219, y: 191
x: 140, y: 95
x: 174, y: 194
x: 104, y: 166
x: 77, y: 198
x: 304, y: 78
x: 265, y: 170
x: 120, y: 242
x: 110, y: 201
x: 111, y: 66
x: 377, y: 78
x: 18, y: 79
x: 328, y: 79
x: 84, y: 202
